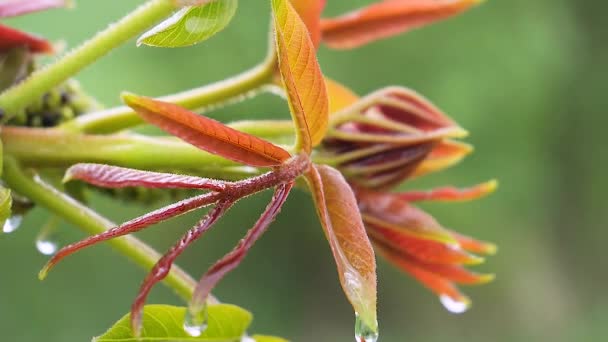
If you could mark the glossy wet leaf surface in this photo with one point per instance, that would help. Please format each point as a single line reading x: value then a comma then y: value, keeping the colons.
x: 191, y: 25
x: 352, y: 250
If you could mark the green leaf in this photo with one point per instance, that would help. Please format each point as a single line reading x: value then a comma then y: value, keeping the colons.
x: 261, y: 338
x: 191, y: 25
x: 164, y: 323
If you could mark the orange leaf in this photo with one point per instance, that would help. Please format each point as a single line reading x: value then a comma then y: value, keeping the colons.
x: 310, y: 13
x: 301, y: 75
x: 207, y: 134
x: 339, y: 95
x: 450, y: 194
x: 352, y: 250
x: 11, y: 38
x: 473, y: 245
x: 387, y: 18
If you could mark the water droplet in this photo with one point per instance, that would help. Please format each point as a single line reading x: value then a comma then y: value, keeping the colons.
x: 363, y: 332
x: 12, y: 223
x: 46, y: 247
x: 46, y: 240
x: 195, y: 324
x: 453, y: 305
x: 246, y: 338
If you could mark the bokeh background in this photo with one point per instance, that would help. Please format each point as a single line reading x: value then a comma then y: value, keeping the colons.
x: 526, y: 78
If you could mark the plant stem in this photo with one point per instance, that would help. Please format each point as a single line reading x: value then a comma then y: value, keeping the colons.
x: 21, y: 95
x: 92, y: 223
x: 205, y: 97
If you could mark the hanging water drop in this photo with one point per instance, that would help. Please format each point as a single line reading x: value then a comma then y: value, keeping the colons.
x: 195, y: 324
x: 247, y: 338
x: 46, y: 240
x: 363, y: 332
x: 46, y: 247
x: 12, y: 223
x: 454, y: 305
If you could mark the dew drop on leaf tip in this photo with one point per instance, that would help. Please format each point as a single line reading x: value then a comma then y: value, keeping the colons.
x: 364, y: 333
x: 453, y: 305
x: 12, y: 224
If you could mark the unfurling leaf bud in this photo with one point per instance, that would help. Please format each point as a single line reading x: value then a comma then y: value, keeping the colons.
x: 390, y: 135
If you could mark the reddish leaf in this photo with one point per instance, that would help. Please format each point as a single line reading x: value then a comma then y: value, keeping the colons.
x: 207, y: 134
x: 11, y: 8
x: 337, y: 209
x: 422, y: 249
x: 388, y: 210
x: 119, y: 177
x: 163, y: 265
x: 301, y: 76
x: 387, y: 18
x: 451, y: 193
x: 445, y: 154
x: 473, y: 245
x: 132, y: 226
x: 310, y: 13
x: 436, y: 283
x: 11, y: 38
x: 231, y: 260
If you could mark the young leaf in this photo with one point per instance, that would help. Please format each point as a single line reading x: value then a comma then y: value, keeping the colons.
x: 310, y: 13
x: 207, y: 134
x: 119, y: 177
x: 449, y: 194
x: 11, y: 38
x: 191, y: 25
x: 165, y: 323
x: 387, y: 18
x: 301, y: 75
x: 12, y: 8
x: 352, y: 250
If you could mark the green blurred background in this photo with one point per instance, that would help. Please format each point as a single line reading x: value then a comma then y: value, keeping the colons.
x: 524, y: 77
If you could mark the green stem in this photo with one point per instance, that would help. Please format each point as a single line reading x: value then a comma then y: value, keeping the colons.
x: 18, y: 97
x: 92, y: 223
x: 205, y: 97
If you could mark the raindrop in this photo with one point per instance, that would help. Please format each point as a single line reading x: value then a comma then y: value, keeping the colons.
x: 46, y: 240
x: 195, y: 324
x: 453, y: 305
x: 12, y: 223
x: 363, y: 332
x: 46, y: 247
x: 246, y: 338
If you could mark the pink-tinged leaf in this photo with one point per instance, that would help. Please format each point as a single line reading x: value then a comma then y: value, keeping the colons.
x: 388, y: 210
x: 133, y: 226
x: 163, y: 266
x: 387, y: 18
x: 207, y: 134
x: 351, y: 248
x: 422, y: 249
x: 12, y: 8
x: 11, y: 38
x: 310, y: 13
x: 451, y: 194
x: 473, y: 245
x: 108, y: 176
x: 434, y: 282
x: 231, y: 260
x: 339, y: 95
x: 301, y: 76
